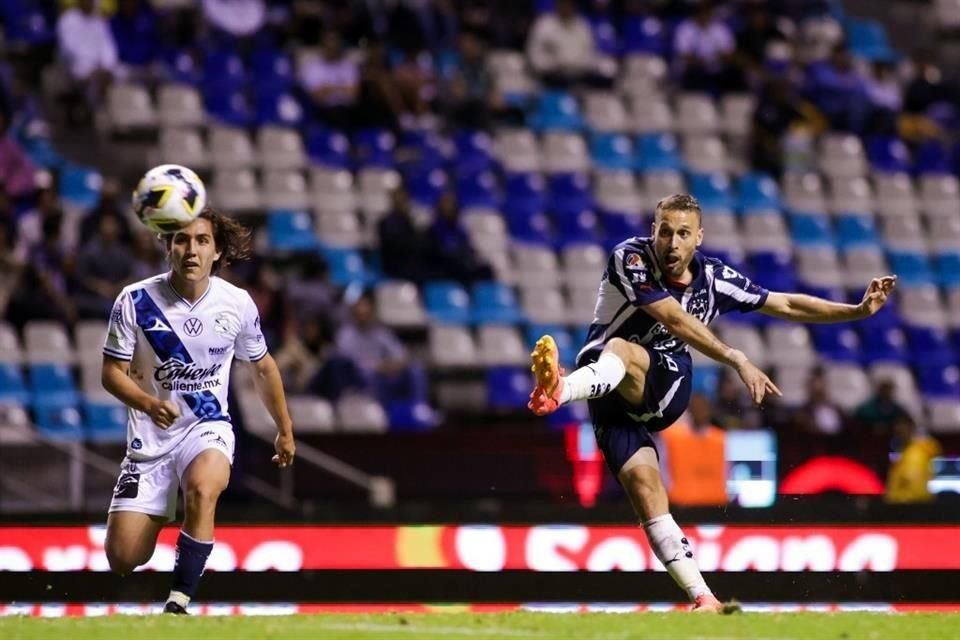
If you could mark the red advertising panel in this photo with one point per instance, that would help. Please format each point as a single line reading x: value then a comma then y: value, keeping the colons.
x: 495, y: 548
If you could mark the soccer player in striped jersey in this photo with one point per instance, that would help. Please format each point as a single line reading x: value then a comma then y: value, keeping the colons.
x: 657, y: 296
x: 170, y: 344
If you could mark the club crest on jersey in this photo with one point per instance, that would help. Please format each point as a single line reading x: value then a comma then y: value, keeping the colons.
x: 633, y: 261
x: 225, y: 324
x: 193, y: 327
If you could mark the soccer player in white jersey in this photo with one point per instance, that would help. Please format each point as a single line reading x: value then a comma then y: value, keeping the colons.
x: 171, y: 341
x: 657, y: 295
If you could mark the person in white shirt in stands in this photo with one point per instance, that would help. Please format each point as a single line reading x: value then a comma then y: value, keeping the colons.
x: 87, y: 48
x: 561, y: 48
x: 333, y: 80
x: 171, y: 341
x: 239, y: 18
x: 704, y: 48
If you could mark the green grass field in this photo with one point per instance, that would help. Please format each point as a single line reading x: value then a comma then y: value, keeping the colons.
x: 437, y: 626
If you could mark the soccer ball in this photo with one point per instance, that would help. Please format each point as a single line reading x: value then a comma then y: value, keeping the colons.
x: 168, y: 198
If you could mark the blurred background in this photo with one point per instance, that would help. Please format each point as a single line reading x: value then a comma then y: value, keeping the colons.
x: 433, y: 185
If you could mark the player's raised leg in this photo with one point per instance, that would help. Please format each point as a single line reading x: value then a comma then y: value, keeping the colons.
x: 203, y: 481
x: 640, y: 478
x: 617, y: 365
x: 131, y: 539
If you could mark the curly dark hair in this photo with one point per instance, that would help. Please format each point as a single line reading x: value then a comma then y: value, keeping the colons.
x: 231, y: 239
x: 678, y: 202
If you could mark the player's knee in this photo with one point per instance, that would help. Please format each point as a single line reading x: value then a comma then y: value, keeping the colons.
x: 620, y: 347
x: 122, y: 561
x: 202, y: 494
x: 644, y: 483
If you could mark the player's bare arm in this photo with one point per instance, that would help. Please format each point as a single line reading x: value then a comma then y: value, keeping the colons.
x: 804, y: 308
x: 115, y: 377
x: 696, y: 334
x: 270, y: 387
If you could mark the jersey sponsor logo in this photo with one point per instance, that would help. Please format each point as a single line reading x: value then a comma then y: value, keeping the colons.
x: 136, y: 444
x: 633, y: 261
x: 174, y: 375
x: 218, y: 351
x: 128, y: 486
x: 158, y: 325
x: 193, y: 327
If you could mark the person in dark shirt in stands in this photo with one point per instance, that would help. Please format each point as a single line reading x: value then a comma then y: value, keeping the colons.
x: 402, y: 245
x: 451, y: 254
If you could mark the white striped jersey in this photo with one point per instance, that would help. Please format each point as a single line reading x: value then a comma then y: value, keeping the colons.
x: 181, y: 352
x: 632, y: 279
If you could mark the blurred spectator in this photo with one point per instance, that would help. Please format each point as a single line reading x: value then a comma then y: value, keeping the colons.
x: 105, y: 265
x: 109, y: 204
x: 352, y: 20
x: 264, y: 288
x: 694, y: 458
x: 451, y: 254
x: 238, y: 18
x: 423, y: 25
x: 819, y: 415
x: 886, y: 99
x: 377, y: 352
x: 929, y: 104
x: 379, y: 104
x: 881, y: 411
x: 150, y: 252
x: 332, y: 80
x: 11, y: 265
x: 560, y: 46
x: 468, y: 92
x: 910, y: 474
x: 784, y: 127
x: 134, y: 29
x: 754, y: 40
x: 311, y: 295
x: 17, y: 171
x: 415, y: 82
x: 402, y: 245
x: 839, y: 90
x: 30, y: 224
x: 303, y: 350
x: 42, y: 294
x: 704, y: 47
x: 87, y: 48
x: 733, y: 408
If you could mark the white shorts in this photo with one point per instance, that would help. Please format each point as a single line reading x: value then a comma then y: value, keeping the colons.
x: 151, y: 487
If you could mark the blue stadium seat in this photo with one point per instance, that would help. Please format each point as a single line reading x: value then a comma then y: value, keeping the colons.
x: 508, y: 388
x: 566, y: 344
x: 223, y: 70
x: 611, y: 151
x: 582, y: 227
x: 912, y: 269
x: 51, y: 378
x: 888, y: 316
x: 347, y: 267
x: 473, y: 152
x: 948, y: 269
x: 570, y: 192
x: 291, y: 231
x: 643, y: 34
x: 180, y: 65
x: 810, y: 230
x: 525, y: 189
x: 757, y: 191
x: 105, y: 422
x: 868, y: 39
x: 888, y: 155
x: 374, y: 148
x: 938, y: 381
x: 580, y: 335
x: 411, y: 416
x: 774, y: 271
x: 426, y: 188
x: 620, y: 226
x: 930, y: 346
x: 657, y: 152
x: 556, y: 111
x: 494, y: 303
x: 26, y: 22
x: 447, y: 302
x: 885, y: 345
x: 420, y: 151
x: 278, y: 107
x: 478, y: 190
x: 855, y: 231
x: 712, y: 190
x: 58, y: 417
x: 604, y: 35
x: 328, y: 148
x: 838, y: 343
x: 706, y: 379
x: 272, y: 68
x: 12, y: 386
x: 231, y: 107
x: 80, y: 186
x: 532, y: 227
x: 932, y: 158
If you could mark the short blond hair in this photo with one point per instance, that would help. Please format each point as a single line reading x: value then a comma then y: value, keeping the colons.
x: 678, y: 202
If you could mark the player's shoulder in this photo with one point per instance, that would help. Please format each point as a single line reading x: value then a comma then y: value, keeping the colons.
x: 635, y: 252
x: 230, y: 293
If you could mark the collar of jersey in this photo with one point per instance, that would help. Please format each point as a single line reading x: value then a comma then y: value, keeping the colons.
x: 181, y: 298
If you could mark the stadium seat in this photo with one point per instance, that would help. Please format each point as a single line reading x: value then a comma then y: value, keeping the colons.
x: 856, y: 232
x: 944, y: 234
x: 888, y: 155
x: 280, y: 148
x: 712, y: 190
x: 868, y: 40
x: 494, y: 303
x: 611, y: 152
x: 746, y: 339
x: 895, y: 195
x: 311, y: 414
x: 231, y: 148
x: 106, y: 423
x: 851, y: 195
x: 451, y: 346
x: 411, y: 416
x: 556, y: 111
x: 543, y: 305
x: 651, y: 116
x: 819, y: 266
x: 10, y: 350
x: 930, y: 346
x: 616, y: 191
x: 570, y: 193
x: 836, y: 343
x: 13, y: 389
x: 447, y: 302
x: 374, y: 148
x: 912, y: 269
x: 284, y: 190
x: 180, y: 106
x: 332, y: 190
x: 328, y: 148
x: 657, y: 152
x: 79, y: 188
x: 375, y: 187
x: 794, y: 382
x: 847, y: 385
x: 229, y: 107
x: 478, y: 190
x: 605, y: 113
x: 567, y: 345
x: 904, y: 234
x: 499, y: 345
x: 884, y: 345
x: 775, y: 271
x: 517, y: 151
x: 224, y: 70
x: 47, y: 342
x: 757, y: 191
x: 948, y: 269
x: 508, y: 388
x: 358, y: 413
x: 807, y: 231
x: 939, y: 381
x: 583, y: 264
x: 530, y: 228
x: 944, y: 414
x: 841, y: 156
x: 15, y: 426
x: 89, y: 336
x: 804, y: 193
x: 58, y: 422
x: 696, y: 114
x: 420, y: 150
x: 291, y: 231
x: 705, y: 154
x: 398, y: 305
x: 474, y: 152
x: 790, y: 343
x: 765, y: 231
x: 343, y: 229
x: 271, y: 68
x: 347, y: 267
x: 940, y: 195
x: 564, y: 153
x: 922, y: 307
x: 535, y: 265
x: 861, y: 264
x: 128, y: 109
x: 660, y: 184
x: 486, y: 229
x: 181, y: 146
x: 736, y: 114
x: 620, y: 226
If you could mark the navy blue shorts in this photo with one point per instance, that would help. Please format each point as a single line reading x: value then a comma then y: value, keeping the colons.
x: 623, y: 428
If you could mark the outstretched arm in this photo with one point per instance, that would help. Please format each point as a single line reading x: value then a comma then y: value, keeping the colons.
x: 270, y: 388
x: 804, y: 308
x: 696, y: 334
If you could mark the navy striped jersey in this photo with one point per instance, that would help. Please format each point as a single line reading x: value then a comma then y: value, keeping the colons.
x: 633, y: 279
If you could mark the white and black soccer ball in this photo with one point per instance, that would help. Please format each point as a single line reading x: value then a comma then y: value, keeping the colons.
x: 169, y: 197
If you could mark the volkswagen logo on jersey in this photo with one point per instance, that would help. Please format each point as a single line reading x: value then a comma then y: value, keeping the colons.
x: 193, y: 327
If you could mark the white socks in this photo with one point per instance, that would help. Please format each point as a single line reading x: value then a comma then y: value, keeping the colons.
x: 594, y: 380
x: 672, y: 549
